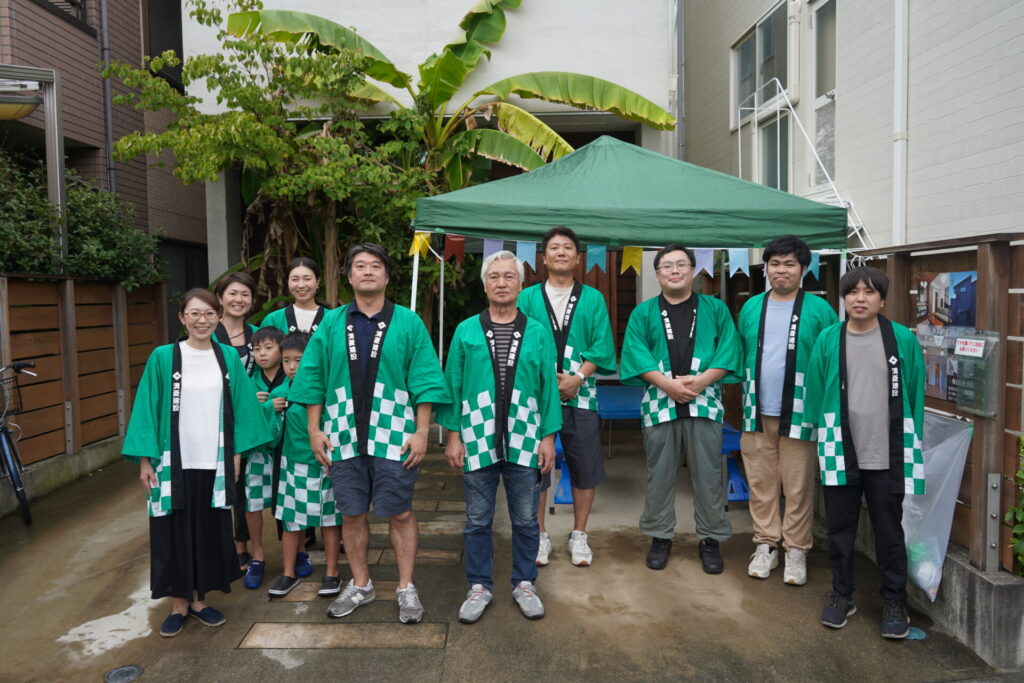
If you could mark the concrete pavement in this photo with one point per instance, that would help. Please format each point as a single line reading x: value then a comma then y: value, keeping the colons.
x: 75, y: 588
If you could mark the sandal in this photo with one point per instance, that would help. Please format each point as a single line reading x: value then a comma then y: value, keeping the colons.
x: 243, y: 561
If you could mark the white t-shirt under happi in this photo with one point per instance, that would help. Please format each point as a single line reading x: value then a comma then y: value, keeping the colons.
x: 559, y: 298
x: 199, y: 418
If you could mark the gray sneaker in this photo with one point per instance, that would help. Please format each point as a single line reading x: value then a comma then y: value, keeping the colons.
x: 476, y: 602
x: 529, y: 602
x: 351, y: 597
x: 410, y: 611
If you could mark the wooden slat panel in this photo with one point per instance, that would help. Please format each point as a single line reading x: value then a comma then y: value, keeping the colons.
x: 42, y: 395
x: 96, y: 430
x: 142, y: 313
x: 139, y: 353
x: 95, y: 338
x: 47, y: 369
x: 40, y: 421
x: 961, y: 530
x: 140, y: 295
x: 93, y: 293
x: 98, y: 406
x: 34, y: 318
x: 96, y: 384
x: 94, y: 315
x: 135, y: 372
x: 95, y: 361
x: 41, y: 447
x: 32, y: 345
x: 23, y: 292
x: 142, y: 333
x: 1006, y: 554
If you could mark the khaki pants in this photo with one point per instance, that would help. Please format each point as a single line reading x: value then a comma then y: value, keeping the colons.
x: 779, y: 466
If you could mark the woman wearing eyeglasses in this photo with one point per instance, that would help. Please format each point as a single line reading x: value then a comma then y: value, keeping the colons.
x: 195, y: 410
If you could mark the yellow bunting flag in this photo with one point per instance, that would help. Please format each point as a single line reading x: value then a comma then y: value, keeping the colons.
x: 632, y: 257
x: 420, y: 243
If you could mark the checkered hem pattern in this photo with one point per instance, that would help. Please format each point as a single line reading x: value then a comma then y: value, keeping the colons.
x: 259, y: 481
x: 340, y: 425
x: 831, y: 457
x: 749, y: 401
x: 392, y: 422
x: 586, y: 399
x: 478, y: 431
x: 656, y: 406
x: 800, y: 428
x: 160, y: 495
x: 305, y: 497
x: 523, y: 429
x: 913, y: 459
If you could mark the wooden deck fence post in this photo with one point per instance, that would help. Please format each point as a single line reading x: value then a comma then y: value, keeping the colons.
x: 5, y: 324
x: 69, y: 367
x: 123, y: 378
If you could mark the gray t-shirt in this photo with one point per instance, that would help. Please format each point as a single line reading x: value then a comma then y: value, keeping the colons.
x: 867, y: 398
x: 773, y: 356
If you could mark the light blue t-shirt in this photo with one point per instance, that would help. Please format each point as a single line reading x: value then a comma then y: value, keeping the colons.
x: 773, y: 356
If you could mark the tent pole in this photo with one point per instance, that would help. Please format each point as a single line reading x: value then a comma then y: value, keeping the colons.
x: 440, y: 342
x: 415, y: 279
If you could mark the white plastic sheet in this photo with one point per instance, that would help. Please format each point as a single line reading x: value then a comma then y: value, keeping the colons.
x: 928, y: 518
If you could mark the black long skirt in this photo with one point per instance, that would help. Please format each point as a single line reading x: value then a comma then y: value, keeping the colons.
x: 193, y: 549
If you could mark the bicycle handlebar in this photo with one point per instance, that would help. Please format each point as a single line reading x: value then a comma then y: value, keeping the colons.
x: 20, y: 365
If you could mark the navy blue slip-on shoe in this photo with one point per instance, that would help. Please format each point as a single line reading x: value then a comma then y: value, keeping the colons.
x: 208, y: 616
x: 303, y: 567
x: 172, y: 625
x: 254, y: 577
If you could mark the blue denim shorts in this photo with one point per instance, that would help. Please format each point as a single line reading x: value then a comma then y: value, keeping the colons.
x: 363, y: 480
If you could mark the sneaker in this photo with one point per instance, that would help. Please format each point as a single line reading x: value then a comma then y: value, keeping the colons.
x: 657, y: 556
x: 543, y: 550
x: 208, y: 616
x: 410, y: 610
x: 353, y: 596
x: 283, y: 586
x: 172, y: 625
x: 763, y: 561
x: 254, y: 575
x: 579, y: 551
x: 330, y: 585
x: 529, y: 602
x: 796, y: 567
x: 895, y: 620
x: 475, y: 603
x: 838, y: 608
x: 303, y: 567
x: 711, y: 556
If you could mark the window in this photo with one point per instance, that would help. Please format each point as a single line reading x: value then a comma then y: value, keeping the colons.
x: 758, y: 58
x: 163, y: 32
x: 825, y: 91
x: 75, y: 8
x: 775, y: 154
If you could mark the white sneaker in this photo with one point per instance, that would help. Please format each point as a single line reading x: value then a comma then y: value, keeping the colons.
x: 579, y: 550
x: 476, y: 602
x: 796, y: 567
x: 763, y: 561
x: 544, y: 550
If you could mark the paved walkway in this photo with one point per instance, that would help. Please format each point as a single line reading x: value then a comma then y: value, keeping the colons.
x: 75, y: 590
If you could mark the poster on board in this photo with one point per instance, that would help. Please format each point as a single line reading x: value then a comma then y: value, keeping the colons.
x: 946, y: 307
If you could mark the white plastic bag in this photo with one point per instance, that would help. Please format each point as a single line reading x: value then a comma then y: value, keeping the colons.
x: 928, y: 518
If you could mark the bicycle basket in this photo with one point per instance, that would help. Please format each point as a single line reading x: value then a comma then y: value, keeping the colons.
x: 10, y: 396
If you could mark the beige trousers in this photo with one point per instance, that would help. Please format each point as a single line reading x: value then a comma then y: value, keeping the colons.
x: 779, y: 467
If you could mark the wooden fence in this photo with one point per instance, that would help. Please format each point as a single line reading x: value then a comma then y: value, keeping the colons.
x: 90, y: 341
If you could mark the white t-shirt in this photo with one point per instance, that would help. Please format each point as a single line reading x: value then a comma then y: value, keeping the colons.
x: 304, y: 318
x: 559, y: 298
x: 199, y: 418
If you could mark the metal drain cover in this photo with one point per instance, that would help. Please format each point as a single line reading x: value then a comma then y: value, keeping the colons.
x: 123, y: 674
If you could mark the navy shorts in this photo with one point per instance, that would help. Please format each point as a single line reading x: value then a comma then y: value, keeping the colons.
x: 581, y: 443
x: 363, y: 480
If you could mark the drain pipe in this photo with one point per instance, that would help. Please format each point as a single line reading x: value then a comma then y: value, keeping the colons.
x: 900, y: 122
x: 680, y: 82
x: 108, y: 105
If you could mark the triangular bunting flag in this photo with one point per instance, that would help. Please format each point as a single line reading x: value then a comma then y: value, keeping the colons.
x: 527, y: 253
x: 454, y: 245
x: 739, y: 261
x: 815, y: 266
x: 632, y: 257
x: 597, y: 255
x: 420, y: 243
x: 493, y: 246
x: 705, y: 261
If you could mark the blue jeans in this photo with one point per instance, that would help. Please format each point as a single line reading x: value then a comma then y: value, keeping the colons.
x: 522, y: 490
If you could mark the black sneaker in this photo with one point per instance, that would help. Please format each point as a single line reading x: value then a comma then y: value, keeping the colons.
x: 895, y: 620
x: 838, y: 608
x: 283, y: 586
x: 331, y: 585
x: 710, y: 556
x: 657, y: 556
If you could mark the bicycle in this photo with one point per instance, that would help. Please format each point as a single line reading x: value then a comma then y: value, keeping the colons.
x: 10, y: 404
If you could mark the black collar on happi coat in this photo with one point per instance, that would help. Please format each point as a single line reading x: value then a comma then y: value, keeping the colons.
x: 561, y: 332
x: 789, y: 379
x: 244, y: 351
x: 362, y: 385
x: 503, y: 392
x: 293, y: 326
x: 680, y: 356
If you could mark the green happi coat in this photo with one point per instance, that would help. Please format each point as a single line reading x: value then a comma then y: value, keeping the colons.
x: 408, y: 374
x: 827, y: 406
x: 244, y: 350
x: 811, y: 315
x: 280, y: 319
x: 149, y: 429
x: 589, y: 338
x: 534, y: 409
x: 645, y: 348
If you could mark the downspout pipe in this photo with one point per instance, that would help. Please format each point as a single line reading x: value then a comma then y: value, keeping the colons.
x: 108, y: 104
x: 680, y: 82
x: 900, y: 121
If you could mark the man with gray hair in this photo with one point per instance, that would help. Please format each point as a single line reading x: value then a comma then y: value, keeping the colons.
x: 502, y: 425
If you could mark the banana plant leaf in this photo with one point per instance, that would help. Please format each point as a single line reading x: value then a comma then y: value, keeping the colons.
x: 441, y: 77
x: 500, y: 146
x: 527, y: 128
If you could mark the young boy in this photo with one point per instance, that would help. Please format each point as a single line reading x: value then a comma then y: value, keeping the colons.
x: 866, y: 380
x: 305, y: 497
x: 261, y: 468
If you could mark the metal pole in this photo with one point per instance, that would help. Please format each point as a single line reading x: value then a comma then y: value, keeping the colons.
x: 55, y: 190
x: 108, y: 105
x: 415, y: 277
x: 440, y: 339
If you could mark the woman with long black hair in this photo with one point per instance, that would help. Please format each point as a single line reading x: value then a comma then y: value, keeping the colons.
x: 305, y: 313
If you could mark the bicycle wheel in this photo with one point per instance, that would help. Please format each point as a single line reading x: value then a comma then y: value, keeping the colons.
x: 11, y: 465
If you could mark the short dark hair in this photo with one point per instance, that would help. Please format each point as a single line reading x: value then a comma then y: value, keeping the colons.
x: 295, y: 341
x: 788, y: 244
x: 371, y: 249
x: 559, y: 230
x: 229, y: 279
x: 674, y: 247
x: 872, y: 277
x: 204, y: 295
x: 303, y: 262
x: 267, y: 334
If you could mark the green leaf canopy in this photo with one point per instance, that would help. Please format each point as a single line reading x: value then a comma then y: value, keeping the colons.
x: 615, y: 193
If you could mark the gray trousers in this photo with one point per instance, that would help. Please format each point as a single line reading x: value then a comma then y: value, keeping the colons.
x: 664, y: 444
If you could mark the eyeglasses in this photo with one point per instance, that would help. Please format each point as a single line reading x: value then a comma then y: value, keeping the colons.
x: 677, y: 265
x: 195, y: 315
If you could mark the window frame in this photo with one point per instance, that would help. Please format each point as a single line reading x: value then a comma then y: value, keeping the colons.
x: 735, y: 120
